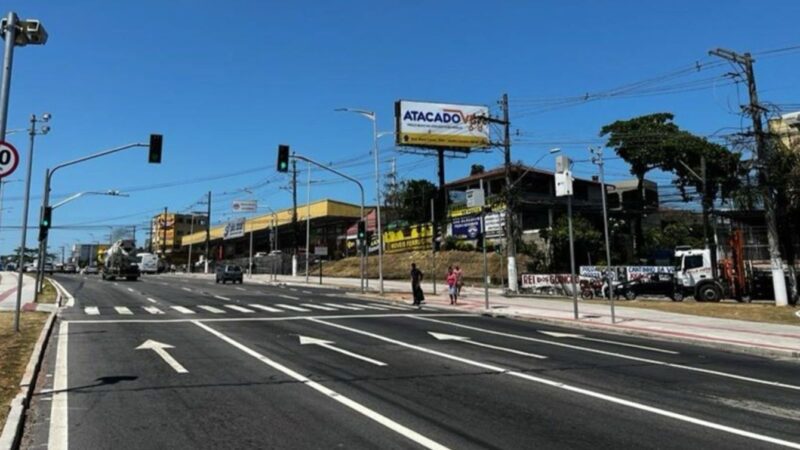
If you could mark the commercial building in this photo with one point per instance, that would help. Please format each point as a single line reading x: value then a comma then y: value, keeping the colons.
x: 168, y: 229
x: 786, y: 129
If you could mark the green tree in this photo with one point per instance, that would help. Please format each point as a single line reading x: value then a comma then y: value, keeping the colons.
x: 411, y: 201
x: 588, y: 242
x: 476, y: 169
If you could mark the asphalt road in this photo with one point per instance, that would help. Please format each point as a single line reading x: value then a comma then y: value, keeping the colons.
x: 261, y: 366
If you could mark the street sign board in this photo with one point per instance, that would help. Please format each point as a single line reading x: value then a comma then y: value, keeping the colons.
x: 9, y: 159
x: 245, y: 205
x: 475, y: 198
x: 321, y: 250
x: 234, y: 229
x: 564, y: 184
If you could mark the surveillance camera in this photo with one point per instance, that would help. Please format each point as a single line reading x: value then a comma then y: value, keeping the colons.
x: 35, y: 32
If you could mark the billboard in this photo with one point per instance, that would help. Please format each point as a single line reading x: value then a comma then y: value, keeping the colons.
x: 234, y: 229
x: 441, y: 125
x: 245, y: 205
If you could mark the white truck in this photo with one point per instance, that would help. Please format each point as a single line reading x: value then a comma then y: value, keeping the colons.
x: 148, y: 262
x: 119, y: 262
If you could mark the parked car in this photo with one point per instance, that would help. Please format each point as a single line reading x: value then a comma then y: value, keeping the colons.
x: 30, y: 267
x: 661, y: 285
x: 70, y: 268
x: 227, y: 273
x: 90, y: 270
x: 48, y: 268
x: 11, y: 267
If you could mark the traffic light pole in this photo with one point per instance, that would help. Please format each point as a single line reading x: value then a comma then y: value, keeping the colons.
x: 347, y: 177
x: 46, y: 196
x: 24, y: 233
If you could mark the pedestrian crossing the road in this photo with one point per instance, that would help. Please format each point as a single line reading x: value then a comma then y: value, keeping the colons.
x: 247, y: 309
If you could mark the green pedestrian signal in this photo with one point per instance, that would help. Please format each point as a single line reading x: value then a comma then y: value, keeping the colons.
x: 283, y: 158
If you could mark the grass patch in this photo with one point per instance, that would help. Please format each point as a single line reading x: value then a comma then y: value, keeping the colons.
x: 48, y: 294
x: 740, y: 311
x: 15, y: 351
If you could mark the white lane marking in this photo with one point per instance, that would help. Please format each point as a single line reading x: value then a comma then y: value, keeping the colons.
x: 290, y: 297
x: 305, y: 340
x: 123, y: 310
x: 222, y: 298
x: 293, y: 289
x: 186, y: 289
x: 605, y: 341
x: 466, y: 340
x: 130, y: 289
x: 92, y: 310
x: 293, y: 308
x: 211, y: 309
x: 330, y: 393
x: 116, y: 284
x: 240, y: 289
x: 616, y: 355
x: 362, y: 305
x: 182, y: 309
x: 574, y: 389
x: 152, y: 300
x: 266, y: 308
x: 320, y: 307
x: 58, y: 438
x: 307, y: 292
x: 273, y: 319
x: 342, y: 306
x: 153, y: 310
x: 161, y: 350
x: 239, y: 308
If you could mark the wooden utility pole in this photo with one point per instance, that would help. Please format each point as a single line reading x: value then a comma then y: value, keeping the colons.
x: 208, y: 231
x: 511, y: 248
x: 762, y: 156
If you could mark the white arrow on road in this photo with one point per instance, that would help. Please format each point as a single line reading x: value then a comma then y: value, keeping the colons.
x: 161, y: 350
x: 466, y: 340
x: 624, y: 344
x: 305, y: 340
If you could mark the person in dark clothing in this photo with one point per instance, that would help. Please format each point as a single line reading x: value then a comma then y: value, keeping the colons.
x: 416, y: 285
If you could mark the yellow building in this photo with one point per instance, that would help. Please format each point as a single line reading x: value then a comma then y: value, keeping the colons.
x: 787, y: 129
x: 167, y: 230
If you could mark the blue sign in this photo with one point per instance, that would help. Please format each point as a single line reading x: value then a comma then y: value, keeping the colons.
x: 467, y: 227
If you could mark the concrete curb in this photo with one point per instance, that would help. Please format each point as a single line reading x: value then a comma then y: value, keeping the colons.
x: 615, y: 329
x: 12, y: 431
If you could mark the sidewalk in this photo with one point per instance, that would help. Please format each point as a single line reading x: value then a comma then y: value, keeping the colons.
x: 759, y: 338
x: 8, y: 291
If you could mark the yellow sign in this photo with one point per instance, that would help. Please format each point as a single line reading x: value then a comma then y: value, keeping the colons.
x: 416, y: 237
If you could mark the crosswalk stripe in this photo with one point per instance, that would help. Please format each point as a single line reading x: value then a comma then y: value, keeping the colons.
x: 290, y: 297
x: 402, y: 308
x: 92, y: 310
x: 293, y: 308
x: 182, y: 309
x: 266, y: 308
x: 186, y: 289
x: 338, y: 305
x: 123, y: 310
x: 211, y: 309
x: 324, y: 308
x: 222, y: 298
x: 239, y: 308
x: 362, y: 305
x: 153, y: 310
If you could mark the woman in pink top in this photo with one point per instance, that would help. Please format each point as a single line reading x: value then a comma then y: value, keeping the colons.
x: 452, y: 279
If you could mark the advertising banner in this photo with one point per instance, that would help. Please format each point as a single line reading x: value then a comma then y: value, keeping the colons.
x: 467, y: 227
x: 495, y: 224
x: 234, y: 229
x: 244, y: 205
x: 424, y: 124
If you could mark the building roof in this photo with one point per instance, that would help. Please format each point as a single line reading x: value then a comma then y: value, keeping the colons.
x: 500, y: 171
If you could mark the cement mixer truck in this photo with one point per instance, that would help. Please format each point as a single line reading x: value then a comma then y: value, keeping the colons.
x: 120, y: 261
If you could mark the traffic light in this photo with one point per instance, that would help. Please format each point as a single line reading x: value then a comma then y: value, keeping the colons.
x: 154, y: 157
x: 362, y: 230
x: 283, y: 158
x: 44, y: 226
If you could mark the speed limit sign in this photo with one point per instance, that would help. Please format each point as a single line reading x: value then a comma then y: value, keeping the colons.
x: 9, y: 159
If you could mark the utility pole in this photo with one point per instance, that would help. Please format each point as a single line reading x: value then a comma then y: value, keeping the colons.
x: 762, y: 155
x: 598, y: 159
x: 433, y: 245
x: 164, y: 234
x: 294, y: 217
x: 208, y: 231
x: 511, y: 248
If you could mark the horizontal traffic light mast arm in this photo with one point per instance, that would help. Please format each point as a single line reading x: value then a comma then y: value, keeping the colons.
x: 96, y: 155
x: 329, y: 169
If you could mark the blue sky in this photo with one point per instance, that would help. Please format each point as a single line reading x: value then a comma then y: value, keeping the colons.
x: 226, y: 82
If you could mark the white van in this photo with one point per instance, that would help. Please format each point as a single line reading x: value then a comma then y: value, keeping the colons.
x: 148, y: 262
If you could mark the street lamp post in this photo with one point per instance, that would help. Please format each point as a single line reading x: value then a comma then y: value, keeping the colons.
x: 375, y: 153
x: 32, y: 132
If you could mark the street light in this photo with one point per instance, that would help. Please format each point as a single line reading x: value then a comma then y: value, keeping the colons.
x: 16, y: 33
x: 32, y: 132
x: 552, y: 151
x: 371, y: 116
